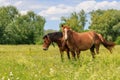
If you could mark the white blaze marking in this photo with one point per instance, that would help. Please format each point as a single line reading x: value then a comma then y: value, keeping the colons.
x: 65, y: 34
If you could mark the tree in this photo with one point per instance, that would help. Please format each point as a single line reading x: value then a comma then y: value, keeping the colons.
x: 118, y: 40
x: 106, y: 22
x: 76, y: 21
x: 20, y: 29
x: 26, y: 29
x: 7, y: 15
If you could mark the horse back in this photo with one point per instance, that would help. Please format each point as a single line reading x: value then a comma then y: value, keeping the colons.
x: 85, y: 36
x: 84, y: 40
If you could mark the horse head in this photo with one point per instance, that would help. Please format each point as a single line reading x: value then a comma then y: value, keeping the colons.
x: 47, y: 42
x: 66, y: 31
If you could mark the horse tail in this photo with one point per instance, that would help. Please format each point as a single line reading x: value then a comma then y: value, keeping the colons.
x: 106, y: 44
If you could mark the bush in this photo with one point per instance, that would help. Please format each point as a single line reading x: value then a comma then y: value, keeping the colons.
x: 118, y: 40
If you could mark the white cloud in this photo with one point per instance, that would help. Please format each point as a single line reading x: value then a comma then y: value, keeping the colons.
x: 93, y: 5
x: 23, y: 12
x: 39, y: 6
x: 59, y: 9
x: 4, y: 3
x: 87, y: 6
x: 107, y: 5
x: 18, y: 3
x: 55, y: 12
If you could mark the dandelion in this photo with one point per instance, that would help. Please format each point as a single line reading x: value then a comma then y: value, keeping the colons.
x: 17, y: 78
x: 36, y: 75
x: 51, y: 71
x: 8, y: 78
x: 11, y: 74
x: 3, y: 78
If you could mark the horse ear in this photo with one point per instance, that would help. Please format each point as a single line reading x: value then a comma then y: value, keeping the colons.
x: 62, y: 25
x: 44, y: 36
x: 47, y: 36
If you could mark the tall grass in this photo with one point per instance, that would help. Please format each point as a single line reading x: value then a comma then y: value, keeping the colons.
x: 30, y: 62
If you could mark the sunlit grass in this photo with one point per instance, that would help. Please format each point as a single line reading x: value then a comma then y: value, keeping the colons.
x: 30, y: 62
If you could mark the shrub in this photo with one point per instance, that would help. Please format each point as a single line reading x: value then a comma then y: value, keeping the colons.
x: 118, y: 40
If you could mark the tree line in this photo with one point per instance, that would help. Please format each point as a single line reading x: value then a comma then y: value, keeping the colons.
x: 29, y: 28
x: 105, y: 22
x: 20, y: 29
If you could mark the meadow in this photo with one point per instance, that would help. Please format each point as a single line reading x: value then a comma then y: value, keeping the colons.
x: 30, y: 62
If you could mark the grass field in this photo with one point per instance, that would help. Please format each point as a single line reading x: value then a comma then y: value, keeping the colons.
x: 30, y: 62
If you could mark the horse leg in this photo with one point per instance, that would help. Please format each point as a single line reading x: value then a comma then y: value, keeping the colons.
x: 61, y: 53
x: 73, y: 55
x: 92, y: 51
x: 97, y: 48
x: 68, y: 54
x: 78, y: 54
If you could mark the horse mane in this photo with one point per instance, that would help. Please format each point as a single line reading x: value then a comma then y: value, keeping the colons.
x: 54, y: 36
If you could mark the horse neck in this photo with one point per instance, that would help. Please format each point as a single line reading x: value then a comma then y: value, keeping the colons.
x: 71, y: 37
x: 58, y: 42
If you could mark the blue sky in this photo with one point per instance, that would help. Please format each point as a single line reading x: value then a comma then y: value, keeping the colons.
x: 52, y: 10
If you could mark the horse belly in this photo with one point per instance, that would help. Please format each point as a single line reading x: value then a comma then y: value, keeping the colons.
x: 83, y: 48
x: 84, y: 45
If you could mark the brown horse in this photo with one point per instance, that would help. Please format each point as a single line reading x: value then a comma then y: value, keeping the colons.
x: 78, y: 42
x: 56, y: 37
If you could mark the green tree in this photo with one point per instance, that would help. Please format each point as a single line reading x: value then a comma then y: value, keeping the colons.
x: 20, y: 29
x: 26, y: 29
x: 76, y: 21
x: 106, y: 22
x: 7, y: 15
x: 118, y: 40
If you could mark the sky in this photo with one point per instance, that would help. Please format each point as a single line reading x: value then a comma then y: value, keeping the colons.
x: 53, y: 10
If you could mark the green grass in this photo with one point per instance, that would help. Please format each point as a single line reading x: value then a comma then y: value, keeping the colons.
x: 30, y: 62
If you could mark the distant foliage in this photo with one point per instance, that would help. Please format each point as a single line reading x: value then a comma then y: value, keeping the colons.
x: 76, y: 21
x: 20, y: 29
x: 118, y: 40
x: 106, y: 22
x: 49, y: 31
